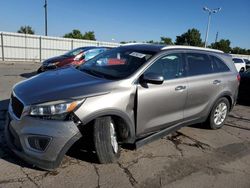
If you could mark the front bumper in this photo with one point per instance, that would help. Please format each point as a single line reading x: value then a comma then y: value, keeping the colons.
x: 62, y: 135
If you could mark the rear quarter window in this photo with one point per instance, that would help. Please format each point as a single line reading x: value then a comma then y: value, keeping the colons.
x: 199, y: 64
x: 219, y: 65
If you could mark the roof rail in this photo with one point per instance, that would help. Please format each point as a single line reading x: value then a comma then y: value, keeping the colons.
x: 191, y: 47
x: 133, y: 43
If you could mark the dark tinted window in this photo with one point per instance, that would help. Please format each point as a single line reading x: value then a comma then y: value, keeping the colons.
x: 237, y: 60
x: 219, y: 65
x: 198, y: 64
x: 247, y: 61
x: 170, y: 66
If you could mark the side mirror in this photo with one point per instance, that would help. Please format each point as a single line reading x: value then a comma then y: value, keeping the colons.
x: 153, y: 78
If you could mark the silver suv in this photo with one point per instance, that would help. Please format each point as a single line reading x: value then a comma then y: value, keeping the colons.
x: 132, y: 94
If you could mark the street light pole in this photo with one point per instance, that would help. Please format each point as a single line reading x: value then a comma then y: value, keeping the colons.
x: 45, y: 9
x: 210, y: 11
x: 208, y: 24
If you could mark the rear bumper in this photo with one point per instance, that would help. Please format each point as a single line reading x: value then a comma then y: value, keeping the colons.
x: 62, y: 136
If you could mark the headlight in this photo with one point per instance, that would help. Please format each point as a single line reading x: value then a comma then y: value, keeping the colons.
x: 53, y: 64
x: 54, y: 109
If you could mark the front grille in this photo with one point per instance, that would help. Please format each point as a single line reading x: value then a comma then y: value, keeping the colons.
x: 17, y: 106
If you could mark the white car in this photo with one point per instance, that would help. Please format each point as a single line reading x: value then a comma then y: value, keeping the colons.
x: 247, y: 61
x: 240, y: 64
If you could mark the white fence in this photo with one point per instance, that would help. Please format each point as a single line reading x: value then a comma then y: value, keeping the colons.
x: 25, y: 47
x: 241, y: 56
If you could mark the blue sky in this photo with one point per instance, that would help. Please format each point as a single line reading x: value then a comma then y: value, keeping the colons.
x: 127, y: 20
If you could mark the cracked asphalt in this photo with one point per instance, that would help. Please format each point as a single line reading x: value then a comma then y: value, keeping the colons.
x: 191, y: 157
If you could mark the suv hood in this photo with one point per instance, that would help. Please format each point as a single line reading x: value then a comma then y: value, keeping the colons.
x: 65, y: 83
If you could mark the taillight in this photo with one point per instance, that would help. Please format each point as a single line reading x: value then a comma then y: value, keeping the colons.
x: 238, y: 77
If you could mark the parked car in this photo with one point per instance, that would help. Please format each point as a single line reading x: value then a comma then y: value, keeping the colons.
x: 132, y: 94
x: 247, y: 61
x: 74, y: 57
x: 244, y: 89
x: 239, y: 64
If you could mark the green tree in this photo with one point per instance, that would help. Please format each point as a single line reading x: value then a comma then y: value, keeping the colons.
x: 90, y: 35
x: 223, y: 45
x: 166, y: 40
x: 192, y: 38
x: 235, y: 50
x: 75, y: 34
x: 26, y: 29
x: 238, y: 50
x: 152, y: 42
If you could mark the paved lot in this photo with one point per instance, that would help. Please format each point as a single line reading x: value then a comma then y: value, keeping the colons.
x: 192, y: 157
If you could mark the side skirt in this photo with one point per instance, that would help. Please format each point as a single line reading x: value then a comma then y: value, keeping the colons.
x: 157, y: 135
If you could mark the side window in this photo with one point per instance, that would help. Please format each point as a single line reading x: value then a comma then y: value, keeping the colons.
x: 237, y: 60
x: 170, y: 66
x: 219, y: 65
x: 198, y: 64
x: 91, y: 53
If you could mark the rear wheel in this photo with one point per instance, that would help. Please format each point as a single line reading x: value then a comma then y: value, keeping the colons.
x: 219, y: 113
x: 105, y: 140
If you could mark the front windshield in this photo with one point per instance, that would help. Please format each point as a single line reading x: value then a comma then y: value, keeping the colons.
x: 117, y: 63
x: 74, y: 52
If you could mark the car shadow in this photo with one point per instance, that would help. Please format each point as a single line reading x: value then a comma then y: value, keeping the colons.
x: 84, y: 148
x: 28, y: 75
x: 199, y: 126
x: 243, y: 102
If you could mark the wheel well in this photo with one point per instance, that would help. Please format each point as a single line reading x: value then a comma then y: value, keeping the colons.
x: 229, y: 100
x: 121, y: 126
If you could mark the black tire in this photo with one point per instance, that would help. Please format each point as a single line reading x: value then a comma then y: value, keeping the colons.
x: 102, y: 140
x: 211, y: 119
x: 242, y: 70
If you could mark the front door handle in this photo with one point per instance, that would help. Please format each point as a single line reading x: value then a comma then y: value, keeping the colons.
x: 216, y: 82
x: 180, y: 88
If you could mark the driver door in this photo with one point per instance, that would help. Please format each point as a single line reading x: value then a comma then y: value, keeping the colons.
x: 160, y: 106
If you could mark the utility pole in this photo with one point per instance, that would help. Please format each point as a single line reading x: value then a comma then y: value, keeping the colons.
x: 210, y: 11
x: 45, y: 9
x: 216, y: 38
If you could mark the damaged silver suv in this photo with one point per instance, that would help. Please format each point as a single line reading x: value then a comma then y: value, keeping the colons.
x: 132, y: 94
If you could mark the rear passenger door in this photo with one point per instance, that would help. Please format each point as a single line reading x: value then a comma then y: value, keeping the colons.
x: 204, y: 85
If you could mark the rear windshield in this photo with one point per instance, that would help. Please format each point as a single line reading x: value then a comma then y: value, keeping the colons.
x: 117, y: 63
x: 237, y: 60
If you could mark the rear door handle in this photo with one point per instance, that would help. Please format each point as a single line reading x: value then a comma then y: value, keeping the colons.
x: 180, y: 88
x: 216, y: 82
